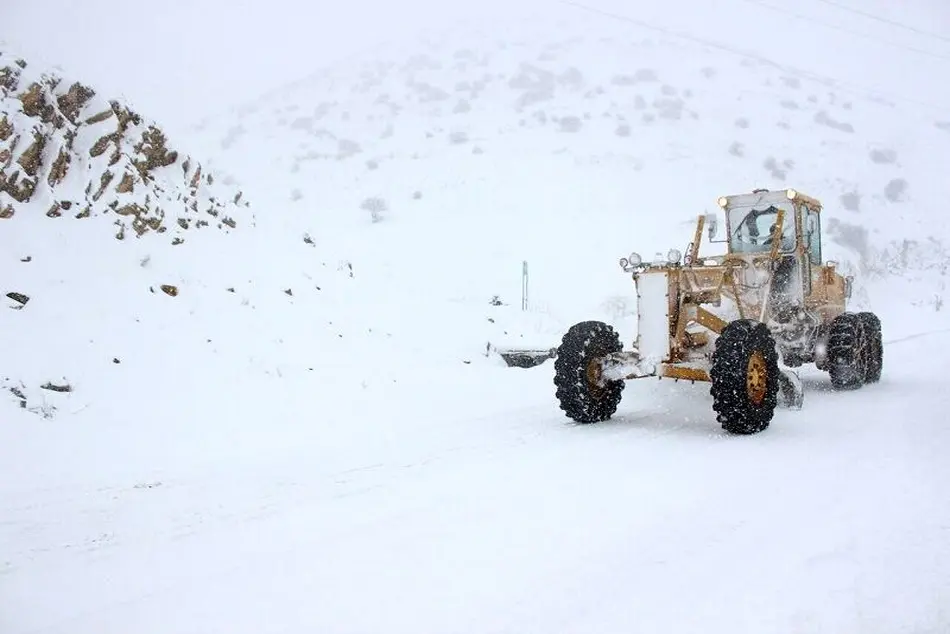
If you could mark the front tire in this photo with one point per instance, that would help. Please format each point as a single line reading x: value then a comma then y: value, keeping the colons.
x: 847, y: 359
x: 873, y: 347
x: 745, y: 377
x: 576, y: 373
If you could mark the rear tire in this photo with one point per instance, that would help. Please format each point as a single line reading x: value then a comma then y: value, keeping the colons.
x: 745, y: 377
x: 873, y: 347
x: 575, y: 377
x: 847, y: 358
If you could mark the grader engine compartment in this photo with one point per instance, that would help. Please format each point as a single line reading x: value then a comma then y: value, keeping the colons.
x: 738, y: 320
x: 656, y: 293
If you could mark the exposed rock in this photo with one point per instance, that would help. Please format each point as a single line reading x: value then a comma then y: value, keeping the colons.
x: 50, y: 127
x: 196, y: 178
x: 99, y: 118
x: 74, y: 100
x: 18, y: 393
x: 35, y: 104
x: 104, y: 181
x: 154, y: 153
x: 32, y: 158
x: 125, y: 185
x: 9, y: 78
x: 100, y: 146
x: 59, y: 168
x: 20, y: 189
x: 57, y: 388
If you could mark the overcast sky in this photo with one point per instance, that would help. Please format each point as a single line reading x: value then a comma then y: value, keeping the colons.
x: 181, y: 60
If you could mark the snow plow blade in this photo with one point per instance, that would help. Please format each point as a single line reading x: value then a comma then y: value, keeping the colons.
x: 791, y: 392
x: 523, y: 357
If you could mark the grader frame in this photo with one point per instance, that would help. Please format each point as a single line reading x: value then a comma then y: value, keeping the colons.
x: 729, y: 319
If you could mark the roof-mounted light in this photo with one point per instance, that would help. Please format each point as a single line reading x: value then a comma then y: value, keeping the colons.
x: 791, y: 193
x: 723, y: 201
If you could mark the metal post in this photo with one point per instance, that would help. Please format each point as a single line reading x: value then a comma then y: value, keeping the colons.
x: 524, y: 285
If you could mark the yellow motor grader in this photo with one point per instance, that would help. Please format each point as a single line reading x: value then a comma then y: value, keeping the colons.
x: 739, y: 321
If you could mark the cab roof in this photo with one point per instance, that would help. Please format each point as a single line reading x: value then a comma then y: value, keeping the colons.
x: 765, y: 197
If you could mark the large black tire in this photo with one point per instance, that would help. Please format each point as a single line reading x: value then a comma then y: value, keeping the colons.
x: 745, y: 377
x: 847, y: 359
x: 873, y: 347
x: 581, y: 398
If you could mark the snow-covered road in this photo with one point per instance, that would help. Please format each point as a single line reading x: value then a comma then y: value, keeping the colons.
x: 306, y: 435
x: 490, y: 512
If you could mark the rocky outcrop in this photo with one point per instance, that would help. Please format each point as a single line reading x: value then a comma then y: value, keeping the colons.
x: 68, y: 154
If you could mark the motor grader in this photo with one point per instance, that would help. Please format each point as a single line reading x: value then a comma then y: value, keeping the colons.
x: 740, y: 321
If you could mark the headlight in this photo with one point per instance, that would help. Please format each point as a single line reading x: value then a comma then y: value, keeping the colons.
x: 673, y: 256
x: 723, y: 201
x: 634, y: 259
x: 624, y: 262
x: 791, y: 193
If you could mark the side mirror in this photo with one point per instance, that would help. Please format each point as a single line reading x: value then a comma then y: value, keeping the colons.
x: 848, y: 286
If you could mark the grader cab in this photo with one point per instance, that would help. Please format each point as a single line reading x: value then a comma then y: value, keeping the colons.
x: 739, y: 320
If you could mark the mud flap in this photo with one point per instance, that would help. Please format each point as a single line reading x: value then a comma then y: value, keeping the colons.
x: 791, y: 392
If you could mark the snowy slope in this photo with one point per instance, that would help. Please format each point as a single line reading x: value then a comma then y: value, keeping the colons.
x: 68, y: 151
x: 88, y: 189
x: 568, y: 151
x: 308, y: 436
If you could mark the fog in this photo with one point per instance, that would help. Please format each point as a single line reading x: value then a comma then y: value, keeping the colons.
x: 180, y: 61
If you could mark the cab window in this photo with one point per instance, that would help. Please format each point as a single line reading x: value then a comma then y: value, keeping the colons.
x: 812, y: 231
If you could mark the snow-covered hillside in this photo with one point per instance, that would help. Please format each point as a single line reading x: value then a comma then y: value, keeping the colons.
x: 65, y: 149
x: 82, y: 176
x: 290, y: 420
x: 518, y: 140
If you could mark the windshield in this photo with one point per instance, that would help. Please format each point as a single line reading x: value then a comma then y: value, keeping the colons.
x: 750, y: 228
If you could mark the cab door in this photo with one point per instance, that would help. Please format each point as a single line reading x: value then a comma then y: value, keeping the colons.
x: 810, y: 231
x: 825, y: 290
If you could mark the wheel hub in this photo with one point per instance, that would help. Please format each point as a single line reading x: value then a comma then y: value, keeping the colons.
x: 594, y: 375
x: 756, y: 378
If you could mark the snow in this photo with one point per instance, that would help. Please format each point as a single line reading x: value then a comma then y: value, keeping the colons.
x: 506, y: 520
x: 311, y: 437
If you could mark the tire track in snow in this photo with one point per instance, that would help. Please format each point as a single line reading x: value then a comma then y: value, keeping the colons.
x: 927, y: 333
